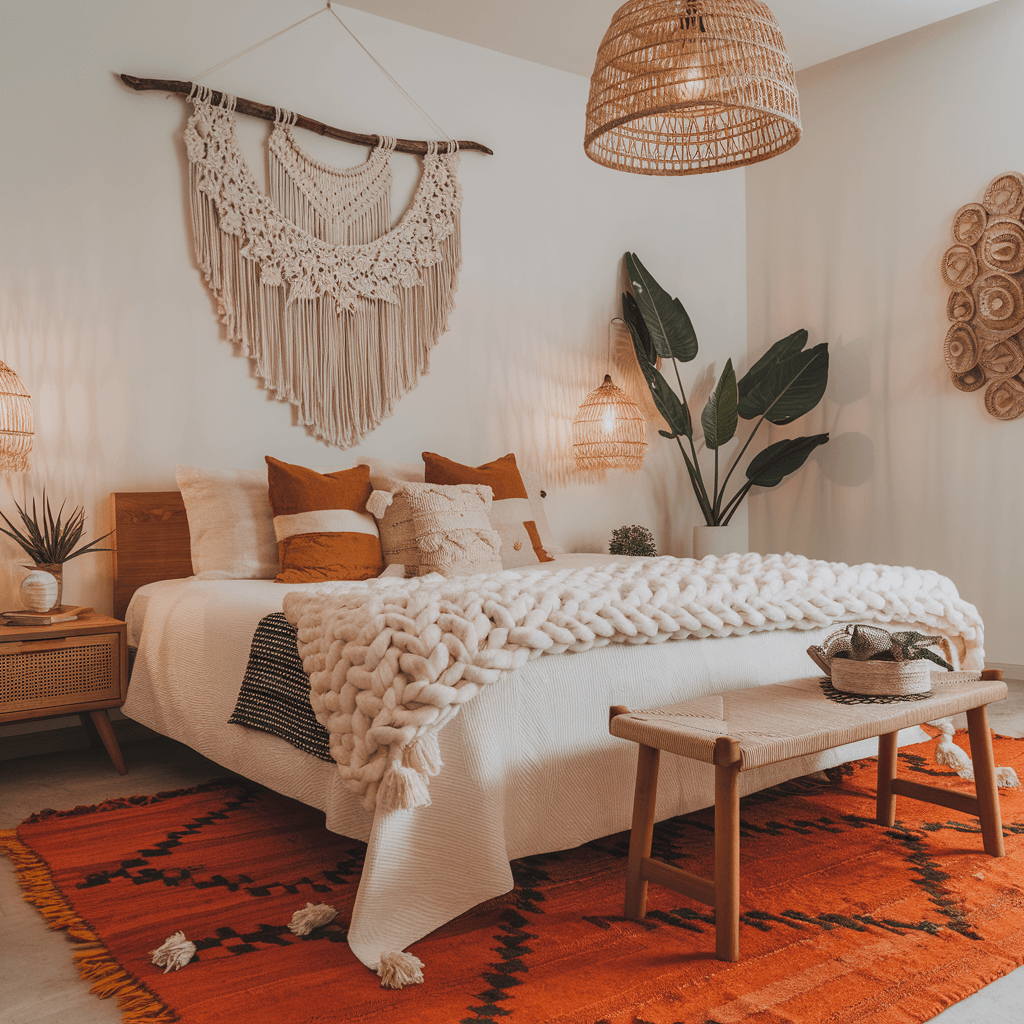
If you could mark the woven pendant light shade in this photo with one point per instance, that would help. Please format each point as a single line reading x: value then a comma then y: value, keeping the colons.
x: 608, y: 431
x: 691, y: 86
x: 15, y: 422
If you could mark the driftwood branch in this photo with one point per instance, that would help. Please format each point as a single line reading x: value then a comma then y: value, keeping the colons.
x: 261, y: 110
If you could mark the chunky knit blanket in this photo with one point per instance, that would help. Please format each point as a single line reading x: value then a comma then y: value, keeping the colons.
x: 391, y: 661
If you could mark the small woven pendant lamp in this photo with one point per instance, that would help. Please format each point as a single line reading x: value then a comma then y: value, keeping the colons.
x: 608, y: 431
x: 15, y: 422
x: 691, y: 86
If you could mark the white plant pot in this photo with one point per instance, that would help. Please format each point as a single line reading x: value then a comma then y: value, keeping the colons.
x: 721, y: 540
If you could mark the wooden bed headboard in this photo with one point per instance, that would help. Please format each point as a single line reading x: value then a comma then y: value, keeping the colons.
x: 151, y: 543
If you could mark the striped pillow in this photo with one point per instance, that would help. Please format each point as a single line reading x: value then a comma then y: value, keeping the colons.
x: 323, y: 529
x: 511, y: 514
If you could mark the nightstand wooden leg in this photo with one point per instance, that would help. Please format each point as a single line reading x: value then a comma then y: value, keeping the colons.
x: 885, y: 802
x: 106, y: 731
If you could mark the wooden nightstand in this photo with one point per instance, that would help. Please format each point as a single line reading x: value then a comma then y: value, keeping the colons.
x: 70, y: 668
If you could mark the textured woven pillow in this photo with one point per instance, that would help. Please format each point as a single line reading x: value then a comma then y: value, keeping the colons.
x: 229, y: 523
x: 511, y: 514
x: 392, y: 508
x: 323, y: 529
x: 433, y: 528
x: 453, y: 532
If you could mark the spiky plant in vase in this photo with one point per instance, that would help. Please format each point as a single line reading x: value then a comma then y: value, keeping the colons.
x: 633, y: 540
x: 50, y: 540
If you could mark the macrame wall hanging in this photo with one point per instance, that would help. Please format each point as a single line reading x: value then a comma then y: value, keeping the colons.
x: 338, y: 309
x: 984, y: 270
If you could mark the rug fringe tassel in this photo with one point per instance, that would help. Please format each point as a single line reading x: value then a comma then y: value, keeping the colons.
x: 397, y: 969
x: 94, y: 963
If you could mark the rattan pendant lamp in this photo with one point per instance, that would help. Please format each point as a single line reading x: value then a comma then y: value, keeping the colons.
x: 16, y: 426
x: 608, y: 430
x: 691, y: 86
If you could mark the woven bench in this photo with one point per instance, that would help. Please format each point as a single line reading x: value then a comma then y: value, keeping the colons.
x: 743, y: 729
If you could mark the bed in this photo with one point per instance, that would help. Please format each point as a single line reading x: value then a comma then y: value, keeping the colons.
x: 529, y: 765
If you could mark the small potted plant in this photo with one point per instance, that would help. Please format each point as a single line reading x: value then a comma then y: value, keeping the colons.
x: 633, y: 540
x: 51, y: 540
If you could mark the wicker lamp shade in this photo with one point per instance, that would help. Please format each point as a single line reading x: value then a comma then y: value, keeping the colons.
x: 691, y: 86
x: 15, y: 422
x: 608, y: 431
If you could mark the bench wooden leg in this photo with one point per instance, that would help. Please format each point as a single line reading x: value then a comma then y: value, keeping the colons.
x: 642, y: 834
x: 885, y: 808
x: 985, y: 780
x: 727, y: 861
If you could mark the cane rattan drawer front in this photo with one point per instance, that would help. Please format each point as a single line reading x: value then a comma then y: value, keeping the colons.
x: 60, y: 673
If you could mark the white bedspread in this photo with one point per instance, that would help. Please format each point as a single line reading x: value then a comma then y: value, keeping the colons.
x: 529, y: 764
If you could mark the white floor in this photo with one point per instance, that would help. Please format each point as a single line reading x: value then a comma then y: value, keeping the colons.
x: 39, y: 985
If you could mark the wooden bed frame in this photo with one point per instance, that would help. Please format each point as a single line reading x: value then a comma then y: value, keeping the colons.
x: 151, y: 542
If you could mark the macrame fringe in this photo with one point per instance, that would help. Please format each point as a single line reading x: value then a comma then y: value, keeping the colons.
x: 397, y: 969
x: 312, y: 915
x: 94, y: 963
x: 402, y: 789
x: 343, y: 370
x: 175, y: 953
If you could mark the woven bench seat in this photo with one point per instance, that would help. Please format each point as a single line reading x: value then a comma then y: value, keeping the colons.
x: 743, y: 729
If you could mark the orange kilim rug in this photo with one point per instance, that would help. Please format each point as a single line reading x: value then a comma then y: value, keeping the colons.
x: 843, y: 920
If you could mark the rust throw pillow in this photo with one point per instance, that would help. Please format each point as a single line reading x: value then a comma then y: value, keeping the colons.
x: 323, y: 529
x: 510, y: 514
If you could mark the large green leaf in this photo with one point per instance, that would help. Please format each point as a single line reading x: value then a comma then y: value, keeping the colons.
x: 637, y: 328
x: 719, y: 416
x: 779, y: 352
x: 675, y: 414
x: 669, y: 324
x: 782, y: 458
x: 788, y: 389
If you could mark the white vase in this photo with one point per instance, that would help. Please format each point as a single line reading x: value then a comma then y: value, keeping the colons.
x: 721, y: 540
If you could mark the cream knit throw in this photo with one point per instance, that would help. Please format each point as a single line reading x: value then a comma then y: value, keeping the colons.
x: 390, y: 662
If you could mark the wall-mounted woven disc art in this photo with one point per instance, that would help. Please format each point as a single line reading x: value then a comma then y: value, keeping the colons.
x: 984, y: 269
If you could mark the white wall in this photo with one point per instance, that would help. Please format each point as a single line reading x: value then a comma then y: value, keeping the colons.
x: 105, y: 317
x: 845, y: 234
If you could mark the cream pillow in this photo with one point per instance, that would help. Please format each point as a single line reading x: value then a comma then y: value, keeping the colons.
x: 383, y: 473
x: 453, y: 533
x: 535, y: 493
x: 436, y: 528
x: 230, y: 523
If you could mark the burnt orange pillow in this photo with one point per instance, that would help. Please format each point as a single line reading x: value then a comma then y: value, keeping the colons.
x: 510, y: 513
x: 323, y: 529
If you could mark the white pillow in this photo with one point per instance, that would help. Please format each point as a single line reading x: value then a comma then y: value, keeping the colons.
x: 230, y: 523
x: 531, y: 481
x: 382, y: 472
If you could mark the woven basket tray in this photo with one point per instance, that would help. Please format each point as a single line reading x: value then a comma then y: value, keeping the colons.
x: 888, y: 678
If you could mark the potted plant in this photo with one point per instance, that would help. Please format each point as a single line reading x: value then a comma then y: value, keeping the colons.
x: 870, y: 660
x: 50, y: 540
x: 634, y: 541
x: 784, y: 384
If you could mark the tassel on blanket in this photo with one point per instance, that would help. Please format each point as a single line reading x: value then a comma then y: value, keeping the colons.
x: 311, y: 916
x: 174, y: 954
x: 402, y: 789
x: 424, y: 755
x: 398, y: 969
x: 948, y: 753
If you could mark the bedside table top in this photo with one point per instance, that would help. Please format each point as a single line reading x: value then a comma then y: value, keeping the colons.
x: 86, y: 623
